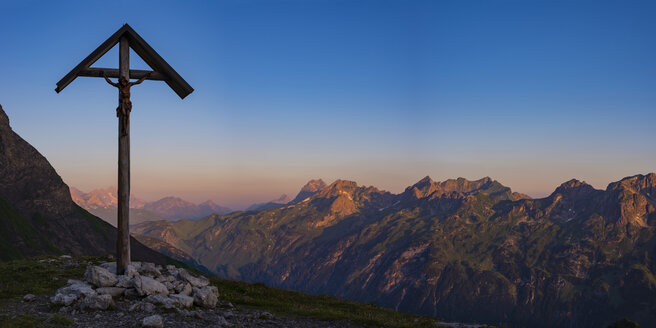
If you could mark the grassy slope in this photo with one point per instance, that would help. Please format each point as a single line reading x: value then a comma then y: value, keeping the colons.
x: 13, y: 225
x: 21, y: 277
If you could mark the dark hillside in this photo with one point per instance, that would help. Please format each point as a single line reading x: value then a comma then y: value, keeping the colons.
x: 37, y: 214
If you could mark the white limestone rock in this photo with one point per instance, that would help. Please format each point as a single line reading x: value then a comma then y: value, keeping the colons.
x: 124, y: 281
x: 131, y: 293
x: 154, y: 321
x: 149, y: 269
x: 97, y: 302
x: 194, y: 281
x: 149, y: 286
x: 63, y: 299
x: 76, y: 288
x: 142, y: 307
x: 182, y: 301
x: 110, y: 266
x: 113, y: 291
x: 100, y: 277
x: 165, y: 301
x: 206, y: 296
x: 185, y: 289
x: 131, y: 271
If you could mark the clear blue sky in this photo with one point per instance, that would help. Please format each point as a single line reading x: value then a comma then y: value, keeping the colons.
x: 531, y: 93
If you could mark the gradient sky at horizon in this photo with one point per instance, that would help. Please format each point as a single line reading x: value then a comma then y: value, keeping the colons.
x: 530, y: 93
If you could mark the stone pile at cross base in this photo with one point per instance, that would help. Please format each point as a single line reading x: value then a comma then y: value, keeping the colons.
x: 149, y: 284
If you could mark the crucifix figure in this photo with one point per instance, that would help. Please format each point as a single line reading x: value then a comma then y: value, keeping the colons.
x: 126, y: 38
x: 125, y: 105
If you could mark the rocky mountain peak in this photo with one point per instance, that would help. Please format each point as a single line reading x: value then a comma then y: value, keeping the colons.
x: 312, y: 187
x: 463, y: 185
x: 426, y: 186
x: 571, y: 184
x: 636, y: 183
x: 343, y: 185
x: 102, y: 198
x: 283, y: 199
x: 574, y: 185
x: 574, y: 189
x: 4, y: 119
x: 208, y: 203
x: 338, y: 187
x: 424, y: 183
x: 78, y: 195
x: 422, y: 188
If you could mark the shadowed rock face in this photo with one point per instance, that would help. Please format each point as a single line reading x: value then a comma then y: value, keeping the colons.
x: 459, y: 250
x: 27, y: 181
x: 37, y: 214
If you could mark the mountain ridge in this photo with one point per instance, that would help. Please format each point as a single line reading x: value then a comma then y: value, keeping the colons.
x: 459, y: 249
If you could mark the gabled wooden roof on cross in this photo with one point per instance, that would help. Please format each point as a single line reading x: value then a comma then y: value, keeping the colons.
x: 162, y: 71
x: 126, y: 38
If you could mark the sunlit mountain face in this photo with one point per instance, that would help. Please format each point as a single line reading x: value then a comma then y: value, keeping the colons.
x: 458, y: 249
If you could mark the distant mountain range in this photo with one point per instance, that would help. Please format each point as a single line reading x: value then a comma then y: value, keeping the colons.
x: 103, y: 203
x: 460, y: 250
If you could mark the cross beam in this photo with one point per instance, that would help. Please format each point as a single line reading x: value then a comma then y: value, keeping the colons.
x: 114, y: 73
x: 126, y: 38
x: 143, y: 49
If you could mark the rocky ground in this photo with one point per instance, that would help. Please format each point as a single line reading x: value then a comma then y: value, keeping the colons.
x: 224, y: 315
x: 147, y: 295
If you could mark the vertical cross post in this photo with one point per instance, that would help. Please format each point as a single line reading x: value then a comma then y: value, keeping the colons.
x: 127, y: 39
x: 123, y: 244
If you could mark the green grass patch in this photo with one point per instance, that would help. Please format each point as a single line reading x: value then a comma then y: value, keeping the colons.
x: 321, y: 307
x: 96, y: 223
x: 36, y: 275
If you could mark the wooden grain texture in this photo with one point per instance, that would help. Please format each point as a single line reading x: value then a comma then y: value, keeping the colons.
x: 143, y: 49
x: 114, y: 73
x: 123, y: 242
x: 155, y: 61
x: 91, y: 58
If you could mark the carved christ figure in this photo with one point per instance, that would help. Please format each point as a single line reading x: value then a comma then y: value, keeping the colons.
x: 125, y: 105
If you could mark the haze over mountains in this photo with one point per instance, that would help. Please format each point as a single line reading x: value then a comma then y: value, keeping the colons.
x: 461, y: 250
x: 103, y: 203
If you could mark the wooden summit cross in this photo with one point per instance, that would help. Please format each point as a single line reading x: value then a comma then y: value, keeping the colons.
x: 127, y: 38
